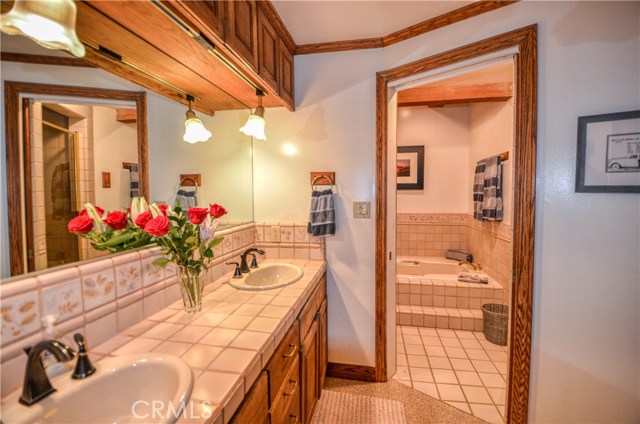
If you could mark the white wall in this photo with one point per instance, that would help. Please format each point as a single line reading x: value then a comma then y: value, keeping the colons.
x: 224, y: 161
x: 586, y: 323
x: 114, y: 142
x: 445, y: 135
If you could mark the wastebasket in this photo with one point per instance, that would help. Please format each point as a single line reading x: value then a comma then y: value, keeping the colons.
x: 495, y: 322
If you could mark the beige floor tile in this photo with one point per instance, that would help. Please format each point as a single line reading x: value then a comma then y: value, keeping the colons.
x: 435, y: 351
x: 409, y: 339
x: 477, y: 354
x: 464, y: 334
x: 455, y: 352
x: 461, y: 364
x: 484, y: 366
x: 417, y: 361
x: 414, y: 349
x: 405, y: 382
x: 497, y: 395
x: 490, y: 346
x: 425, y: 331
x: 401, y: 359
x: 402, y: 373
x: 410, y: 330
x: 431, y: 341
x: 475, y: 394
x: 463, y: 406
x: 502, y: 367
x: 439, y: 362
x: 492, y: 380
x: 444, y: 376
x: 486, y: 412
x: 401, y: 349
x: 451, y: 392
x: 423, y: 375
x: 497, y: 356
x: 468, y: 378
x: 445, y: 332
x: 450, y: 342
x: 471, y: 343
x: 427, y: 388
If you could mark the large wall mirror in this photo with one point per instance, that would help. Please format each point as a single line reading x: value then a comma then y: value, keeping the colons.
x: 67, y: 106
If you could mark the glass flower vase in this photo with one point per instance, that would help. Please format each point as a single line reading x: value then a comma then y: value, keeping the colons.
x: 190, y: 281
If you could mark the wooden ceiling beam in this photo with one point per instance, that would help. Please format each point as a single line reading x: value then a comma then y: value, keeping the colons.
x: 458, y: 94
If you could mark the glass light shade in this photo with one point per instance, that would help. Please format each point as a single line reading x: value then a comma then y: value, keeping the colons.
x: 50, y: 23
x: 255, y: 125
x: 195, y: 132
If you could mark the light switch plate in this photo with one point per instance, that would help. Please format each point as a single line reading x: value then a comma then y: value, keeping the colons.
x: 361, y: 209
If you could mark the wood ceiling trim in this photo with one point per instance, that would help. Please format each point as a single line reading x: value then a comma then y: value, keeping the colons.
x: 457, y: 94
x: 429, y: 25
x: 96, y: 29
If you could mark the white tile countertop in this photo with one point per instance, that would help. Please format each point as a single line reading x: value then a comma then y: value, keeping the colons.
x: 227, y: 344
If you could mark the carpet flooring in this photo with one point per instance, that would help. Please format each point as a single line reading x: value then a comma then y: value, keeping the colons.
x: 418, y: 407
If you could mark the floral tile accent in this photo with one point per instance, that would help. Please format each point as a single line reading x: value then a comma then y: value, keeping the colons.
x: 128, y: 278
x: 217, y: 251
x: 20, y: 317
x: 300, y: 234
x: 245, y: 237
x: 236, y: 240
x: 98, y: 289
x: 286, y: 234
x: 64, y: 300
x: 151, y: 273
x: 259, y: 233
x: 227, y: 245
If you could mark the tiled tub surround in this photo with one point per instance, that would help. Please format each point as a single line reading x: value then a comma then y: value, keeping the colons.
x: 424, y: 234
x: 227, y: 344
x: 98, y: 299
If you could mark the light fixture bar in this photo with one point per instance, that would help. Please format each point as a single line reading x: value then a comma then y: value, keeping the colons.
x: 204, y: 43
x: 116, y: 57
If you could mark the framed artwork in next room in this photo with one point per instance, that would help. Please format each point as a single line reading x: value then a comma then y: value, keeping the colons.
x: 410, y: 168
x: 609, y: 153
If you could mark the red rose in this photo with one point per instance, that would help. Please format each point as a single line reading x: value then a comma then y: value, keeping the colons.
x: 158, y: 226
x: 216, y: 210
x: 163, y: 208
x: 98, y: 209
x: 197, y: 215
x: 116, y: 220
x: 81, y: 224
x: 143, y: 218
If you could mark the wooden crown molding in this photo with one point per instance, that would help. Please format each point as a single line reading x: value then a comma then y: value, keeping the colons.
x: 423, y: 27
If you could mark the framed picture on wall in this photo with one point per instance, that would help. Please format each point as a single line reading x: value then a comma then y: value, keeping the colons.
x: 410, y: 168
x: 609, y: 153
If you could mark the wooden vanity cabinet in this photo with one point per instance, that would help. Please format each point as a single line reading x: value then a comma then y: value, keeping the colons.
x: 255, y: 408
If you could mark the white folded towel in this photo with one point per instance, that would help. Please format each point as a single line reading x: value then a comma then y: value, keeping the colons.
x: 473, y: 277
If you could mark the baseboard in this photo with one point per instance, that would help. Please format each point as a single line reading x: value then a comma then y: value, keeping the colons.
x: 351, y: 372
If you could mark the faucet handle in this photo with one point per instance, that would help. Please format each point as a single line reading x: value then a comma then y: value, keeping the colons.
x: 254, y: 262
x: 84, y: 368
x: 237, y: 273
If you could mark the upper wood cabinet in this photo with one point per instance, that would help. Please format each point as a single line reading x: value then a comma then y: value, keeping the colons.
x: 242, y: 35
x: 210, y: 13
x: 268, y: 51
x: 285, y: 88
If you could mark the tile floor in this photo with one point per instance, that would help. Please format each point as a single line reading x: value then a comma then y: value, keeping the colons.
x: 458, y: 367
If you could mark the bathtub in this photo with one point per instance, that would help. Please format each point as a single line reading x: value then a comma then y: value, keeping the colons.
x: 428, y: 267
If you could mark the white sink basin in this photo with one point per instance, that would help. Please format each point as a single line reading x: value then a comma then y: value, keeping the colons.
x: 122, y: 390
x: 267, y: 277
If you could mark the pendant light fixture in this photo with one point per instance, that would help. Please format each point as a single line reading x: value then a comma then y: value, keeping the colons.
x: 255, y: 124
x: 50, y: 23
x: 194, y: 130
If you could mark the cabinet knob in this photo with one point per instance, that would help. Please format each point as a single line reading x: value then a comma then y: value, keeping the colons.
x: 293, y: 351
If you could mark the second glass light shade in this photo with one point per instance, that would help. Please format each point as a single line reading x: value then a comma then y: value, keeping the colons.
x: 255, y: 125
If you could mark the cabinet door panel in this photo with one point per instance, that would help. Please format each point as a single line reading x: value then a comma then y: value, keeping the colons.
x: 309, y: 370
x: 322, y: 346
x: 286, y: 74
x: 268, y: 51
x: 211, y: 13
x: 243, y: 31
x: 255, y: 407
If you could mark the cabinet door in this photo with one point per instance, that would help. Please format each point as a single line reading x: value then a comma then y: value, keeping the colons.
x: 309, y: 371
x: 243, y: 32
x: 322, y: 346
x: 211, y: 13
x: 268, y: 50
x: 286, y: 74
x: 255, y: 407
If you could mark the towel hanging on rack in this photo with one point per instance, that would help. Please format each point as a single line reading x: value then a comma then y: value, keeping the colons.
x: 322, y: 215
x: 487, y: 190
x: 187, y: 198
x: 134, y: 181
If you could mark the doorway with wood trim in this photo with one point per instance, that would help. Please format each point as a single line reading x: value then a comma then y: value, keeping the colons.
x: 523, y: 43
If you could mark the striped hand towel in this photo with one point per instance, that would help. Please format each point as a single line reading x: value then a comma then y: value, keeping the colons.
x: 134, y: 181
x: 322, y: 216
x: 487, y: 190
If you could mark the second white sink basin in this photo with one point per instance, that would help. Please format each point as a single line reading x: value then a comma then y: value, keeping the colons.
x: 268, y: 277
x: 122, y: 390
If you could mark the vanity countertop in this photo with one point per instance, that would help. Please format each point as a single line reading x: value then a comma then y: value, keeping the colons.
x: 227, y: 344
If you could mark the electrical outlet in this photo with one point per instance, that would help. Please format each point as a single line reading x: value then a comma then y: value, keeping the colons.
x: 275, y: 233
x: 361, y: 209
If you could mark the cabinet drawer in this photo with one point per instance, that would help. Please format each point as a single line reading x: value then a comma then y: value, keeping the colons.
x: 255, y: 408
x: 286, y: 407
x: 283, y: 357
x: 310, y: 309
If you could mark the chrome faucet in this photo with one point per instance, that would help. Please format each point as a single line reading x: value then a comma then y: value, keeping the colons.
x: 476, y: 267
x: 36, y: 382
x: 243, y: 259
